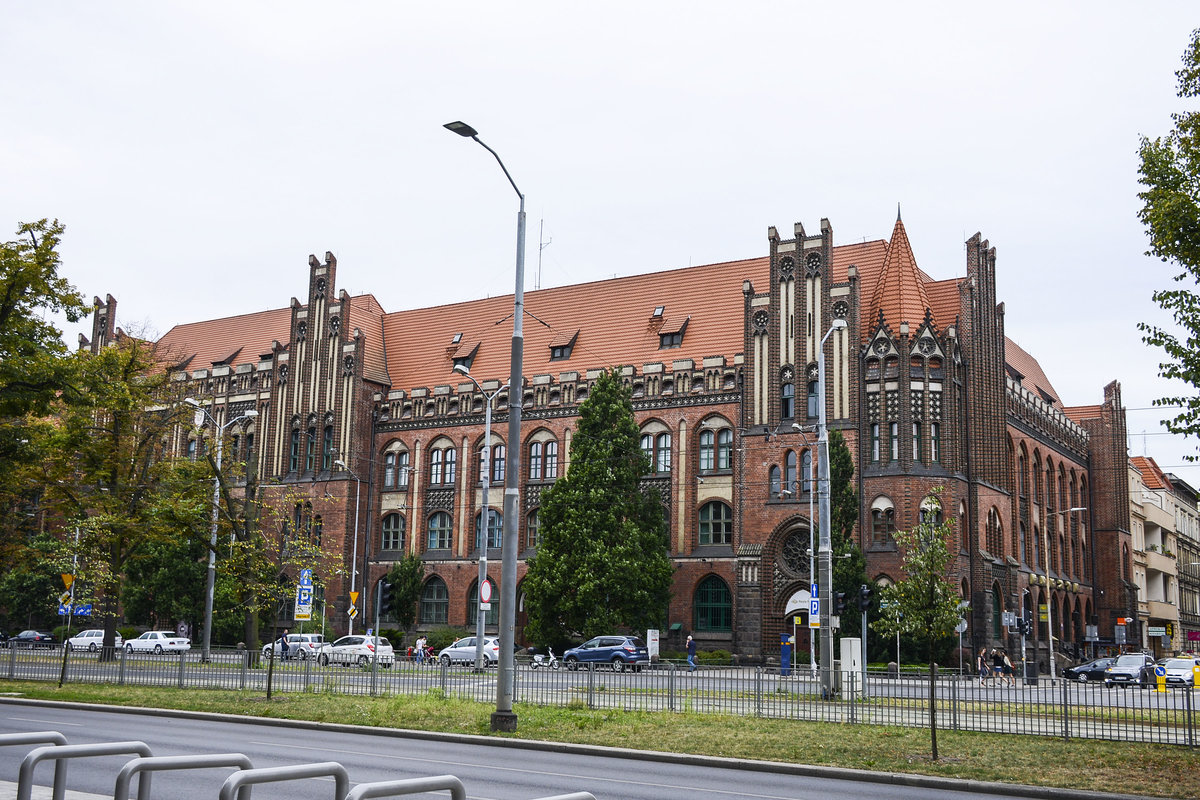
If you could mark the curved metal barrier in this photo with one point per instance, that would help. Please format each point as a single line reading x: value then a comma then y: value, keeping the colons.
x: 234, y: 783
x: 60, y: 753
x: 142, y: 767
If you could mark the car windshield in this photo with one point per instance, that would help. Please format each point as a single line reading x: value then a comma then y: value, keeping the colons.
x: 1130, y: 661
x: 1179, y: 663
x: 637, y: 642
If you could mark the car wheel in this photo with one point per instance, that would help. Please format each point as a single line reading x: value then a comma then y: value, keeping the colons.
x: 1082, y: 677
x: 445, y: 661
x: 572, y: 663
x: 323, y: 660
x: 128, y: 648
x: 91, y: 647
x: 617, y: 664
x: 363, y: 661
x: 158, y: 649
x: 304, y: 655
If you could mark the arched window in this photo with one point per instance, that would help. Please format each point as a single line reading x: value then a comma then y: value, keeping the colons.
x: 318, y: 529
x: 997, y: 616
x: 533, y: 529
x: 535, y: 461
x: 449, y: 462
x: 402, y: 469
x: 789, y: 471
x: 813, y: 408
x: 774, y: 487
x: 883, y: 522
x: 495, y: 529
x: 931, y: 511
x: 389, y: 470
x: 491, y: 616
x: 327, y: 449
x: 713, y: 605
x: 662, y: 453
x: 716, y: 524
x: 191, y: 449
x: 310, y: 462
x: 806, y: 476
x: 725, y: 449
x: 435, y: 602
x: 551, y: 460
x: 708, y: 451
x: 294, y: 461
x: 1022, y: 556
x: 439, y: 531
x: 392, y: 533
x: 435, y: 467
x: 787, y: 401
x: 995, y: 533
x: 499, y: 459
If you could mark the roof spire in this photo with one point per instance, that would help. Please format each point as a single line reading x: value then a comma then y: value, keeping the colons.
x: 897, y: 211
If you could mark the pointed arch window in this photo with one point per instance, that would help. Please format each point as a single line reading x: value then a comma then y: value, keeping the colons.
x: 716, y: 524
x: 713, y: 604
x: 787, y: 401
x: 435, y: 602
x: 495, y: 529
x: 806, y: 470
x: 491, y: 617
x: 883, y: 522
x: 311, y: 453
x: 389, y: 470
x: 774, y: 487
x: 533, y: 529
x: 392, y: 533
x: 439, y: 532
x: 327, y: 449
x: 789, y: 470
x: 294, y: 460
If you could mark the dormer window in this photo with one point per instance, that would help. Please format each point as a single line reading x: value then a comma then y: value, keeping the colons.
x: 562, y: 345
x: 671, y: 334
x: 658, y: 311
x: 465, y: 354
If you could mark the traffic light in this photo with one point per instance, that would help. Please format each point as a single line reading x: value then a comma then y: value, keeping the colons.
x: 1025, y: 625
x: 839, y: 602
x: 864, y: 597
x: 384, y: 602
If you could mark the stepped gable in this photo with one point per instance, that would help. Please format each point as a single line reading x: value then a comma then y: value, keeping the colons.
x: 1025, y: 369
x: 899, y: 293
x: 614, y: 319
x: 230, y: 340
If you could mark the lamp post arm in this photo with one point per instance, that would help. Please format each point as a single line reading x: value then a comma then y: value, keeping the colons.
x: 501, y: 163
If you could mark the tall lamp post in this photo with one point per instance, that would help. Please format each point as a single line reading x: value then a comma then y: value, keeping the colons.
x: 340, y: 464
x: 504, y: 718
x: 1046, y: 570
x: 210, y: 581
x: 486, y: 475
x: 825, y: 545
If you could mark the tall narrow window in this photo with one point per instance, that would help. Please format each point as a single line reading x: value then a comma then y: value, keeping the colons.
x: 875, y: 441
x: 435, y: 602
x: 249, y: 446
x: 535, y: 461
x: 499, y: 459
x: 495, y: 531
x: 551, y: 460
x: 648, y: 448
x: 787, y: 401
x: 725, y: 449
x: 533, y: 529
x: 716, y: 524
x: 389, y: 470
x: 327, y: 449
x: 894, y: 430
x: 402, y: 469
x: 707, y: 450
x: 789, y: 471
x: 191, y: 449
x: 916, y: 441
x: 935, y: 442
x: 450, y: 461
x: 310, y: 462
x: 439, y: 531
x: 490, y: 617
x: 392, y: 533
x: 294, y: 461
x: 806, y: 477
x: 774, y: 486
x: 662, y: 453
x: 813, y: 399
x: 714, y: 605
x: 435, y: 467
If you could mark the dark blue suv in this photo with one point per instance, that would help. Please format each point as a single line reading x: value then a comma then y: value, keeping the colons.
x: 618, y: 651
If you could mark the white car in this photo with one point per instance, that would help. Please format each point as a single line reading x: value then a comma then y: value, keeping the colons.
x: 91, y: 640
x: 357, y: 649
x: 300, y: 645
x: 463, y: 651
x: 1180, y: 671
x: 158, y: 642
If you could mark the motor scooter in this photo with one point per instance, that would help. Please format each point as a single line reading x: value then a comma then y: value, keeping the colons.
x: 548, y: 661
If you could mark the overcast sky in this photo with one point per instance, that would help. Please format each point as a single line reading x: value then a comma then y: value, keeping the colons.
x: 198, y: 152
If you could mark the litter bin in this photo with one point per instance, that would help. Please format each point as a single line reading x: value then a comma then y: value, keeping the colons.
x: 1031, y: 673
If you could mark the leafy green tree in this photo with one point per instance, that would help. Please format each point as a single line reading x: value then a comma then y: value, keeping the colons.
x: 927, y: 600
x: 1170, y: 173
x: 849, y: 563
x: 30, y: 584
x: 602, y: 563
x: 405, y: 576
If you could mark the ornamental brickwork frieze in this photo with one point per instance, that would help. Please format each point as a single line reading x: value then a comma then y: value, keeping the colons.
x: 439, y: 499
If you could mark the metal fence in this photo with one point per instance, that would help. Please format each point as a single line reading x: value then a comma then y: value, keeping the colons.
x: 1039, y: 707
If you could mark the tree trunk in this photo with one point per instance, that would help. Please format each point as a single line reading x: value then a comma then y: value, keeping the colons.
x: 932, y: 702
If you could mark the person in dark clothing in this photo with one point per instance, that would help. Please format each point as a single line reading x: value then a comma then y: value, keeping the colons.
x: 691, y: 654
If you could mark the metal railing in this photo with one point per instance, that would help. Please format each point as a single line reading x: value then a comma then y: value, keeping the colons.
x: 1038, y: 707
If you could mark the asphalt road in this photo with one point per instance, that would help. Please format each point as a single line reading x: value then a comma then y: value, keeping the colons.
x: 489, y: 771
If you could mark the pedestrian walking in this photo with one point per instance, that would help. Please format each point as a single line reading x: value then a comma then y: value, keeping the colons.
x: 1009, y: 672
x: 998, y: 665
x: 691, y: 654
x: 982, y: 667
x: 283, y: 645
x: 421, y: 649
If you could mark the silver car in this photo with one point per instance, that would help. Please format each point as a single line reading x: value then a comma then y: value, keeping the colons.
x: 300, y: 645
x: 357, y: 649
x: 463, y: 651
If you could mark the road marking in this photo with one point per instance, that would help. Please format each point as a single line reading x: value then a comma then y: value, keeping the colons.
x: 574, y: 775
x: 43, y: 722
x: 9, y: 789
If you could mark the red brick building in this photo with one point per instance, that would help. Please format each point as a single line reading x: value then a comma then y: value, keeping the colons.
x: 721, y: 360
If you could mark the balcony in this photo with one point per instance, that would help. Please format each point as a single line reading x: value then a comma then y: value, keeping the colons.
x: 1157, y: 609
x: 1160, y: 562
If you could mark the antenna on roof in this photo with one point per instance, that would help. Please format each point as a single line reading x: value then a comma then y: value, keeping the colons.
x: 537, y: 284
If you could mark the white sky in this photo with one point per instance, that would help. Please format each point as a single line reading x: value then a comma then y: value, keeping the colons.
x: 198, y: 152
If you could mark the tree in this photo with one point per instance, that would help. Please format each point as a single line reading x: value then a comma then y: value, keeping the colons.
x: 406, y: 576
x: 926, y: 599
x: 849, y: 564
x: 602, y: 563
x: 1170, y: 173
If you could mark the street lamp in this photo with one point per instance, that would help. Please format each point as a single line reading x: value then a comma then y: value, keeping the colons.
x: 1046, y: 570
x: 210, y: 582
x: 340, y: 464
x: 486, y: 474
x: 504, y: 718
x: 798, y: 428
x: 825, y: 547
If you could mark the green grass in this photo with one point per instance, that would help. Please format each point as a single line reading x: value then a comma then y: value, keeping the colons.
x: 1160, y: 770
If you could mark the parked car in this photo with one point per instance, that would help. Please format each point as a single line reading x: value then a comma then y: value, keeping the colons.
x: 618, y: 651
x: 33, y: 639
x: 300, y: 645
x: 1179, y: 670
x: 1129, y: 669
x: 91, y: 640
x: 158, y: 642
x: 463, y: 651
x: 357, y: 649
x: 1089, y: 670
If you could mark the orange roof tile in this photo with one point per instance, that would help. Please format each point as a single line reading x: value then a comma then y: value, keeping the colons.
x: 1080, y: 414
x: 367, y: 315
x: 1032, y: 376
x: 1152, y: 476
x: 899, y: 294
x: 199, y: 345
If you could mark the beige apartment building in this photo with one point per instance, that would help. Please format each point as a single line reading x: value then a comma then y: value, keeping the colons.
x: 1153, y: 508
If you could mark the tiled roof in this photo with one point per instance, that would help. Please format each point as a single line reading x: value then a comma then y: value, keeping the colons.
x: 612, y: 317
x: 199, y: 345
x: 1032, y: 376
x: 1152, y: 476
x: 367, y: 315
x: 899, y: 293
x: 1078, y: 414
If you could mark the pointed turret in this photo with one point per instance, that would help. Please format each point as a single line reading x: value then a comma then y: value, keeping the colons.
x: 899, y: 295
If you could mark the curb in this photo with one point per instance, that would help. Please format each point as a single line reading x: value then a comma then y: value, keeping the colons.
x: 799, y: 770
